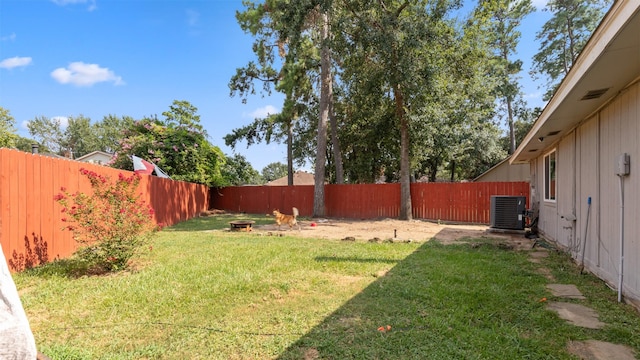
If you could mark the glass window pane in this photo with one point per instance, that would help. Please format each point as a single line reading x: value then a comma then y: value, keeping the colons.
x: 550, y: 176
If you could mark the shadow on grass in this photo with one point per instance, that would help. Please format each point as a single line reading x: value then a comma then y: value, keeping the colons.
x: 453, y: 302
x: 72, y: 268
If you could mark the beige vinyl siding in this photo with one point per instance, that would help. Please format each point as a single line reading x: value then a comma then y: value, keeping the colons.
x: 565, y: 194
x: 632, y: 188
x: 590, y: 152
x: 627, y: 110
x: 619, y: 133
x: 506, y: 172
x: 587, y: 186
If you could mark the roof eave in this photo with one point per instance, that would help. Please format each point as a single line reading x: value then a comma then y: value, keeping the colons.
x: 583, y: 77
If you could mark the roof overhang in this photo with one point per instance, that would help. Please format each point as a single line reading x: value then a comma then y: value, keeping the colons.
x: 608, y: 64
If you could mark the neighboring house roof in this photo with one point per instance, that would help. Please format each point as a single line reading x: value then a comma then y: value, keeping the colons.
x: 96, y: 157
x: 299, y: 178
x: 608, y: 64
x: 503, y: 171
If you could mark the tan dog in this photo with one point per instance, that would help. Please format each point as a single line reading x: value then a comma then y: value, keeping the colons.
x: 286, y: 219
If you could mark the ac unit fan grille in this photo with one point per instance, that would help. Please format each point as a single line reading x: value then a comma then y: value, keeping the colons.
x: 507, y: 212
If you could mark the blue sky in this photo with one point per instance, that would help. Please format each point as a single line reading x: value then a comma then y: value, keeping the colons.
x: 61, y: 58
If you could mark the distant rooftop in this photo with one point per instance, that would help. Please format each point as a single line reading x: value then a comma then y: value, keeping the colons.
x: 299, y: 178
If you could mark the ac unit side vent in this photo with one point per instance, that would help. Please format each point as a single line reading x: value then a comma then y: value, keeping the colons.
x: 507, y: 212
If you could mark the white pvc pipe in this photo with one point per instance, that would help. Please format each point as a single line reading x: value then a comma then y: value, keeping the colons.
x: 621, y: 238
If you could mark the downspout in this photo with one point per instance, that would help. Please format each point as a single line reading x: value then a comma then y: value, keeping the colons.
x: 620, y: 176
x: 598, y: 191
x: 574, y: 224
x: 622, y: 170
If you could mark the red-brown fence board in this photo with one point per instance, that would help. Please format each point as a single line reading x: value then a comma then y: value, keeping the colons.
x: 28, y: 211
x: 457, y: 202
x: 264, y: 199
x: 30, y: 218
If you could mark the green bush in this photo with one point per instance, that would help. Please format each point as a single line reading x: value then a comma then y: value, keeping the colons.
x: 111, y: 224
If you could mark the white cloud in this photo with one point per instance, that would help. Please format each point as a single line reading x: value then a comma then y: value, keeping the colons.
x: 14, y: 62
x: 92, y: 3
x: 533, y: 95
x: 11, y: 37
x: 539, y: 4
x: 62, y: 120
x: 81, y: 74
x: 263, y: 112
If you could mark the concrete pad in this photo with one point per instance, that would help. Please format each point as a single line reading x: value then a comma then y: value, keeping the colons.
x: 537, y: 256
x: 567, y: 291
x: 600, y: 350
x: 576, y: 314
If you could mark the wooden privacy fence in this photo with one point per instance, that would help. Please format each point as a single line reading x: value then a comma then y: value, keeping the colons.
x: 30, y: 219
x: 458, y: 202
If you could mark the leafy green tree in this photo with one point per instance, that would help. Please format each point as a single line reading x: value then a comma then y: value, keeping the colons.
x: 26, y: 145
x: 266, y: 22
x: 48, y: 132
x: 482, y: 150
x: 369, y: 133
x: 456, y: 113
x: 296, y: 30
x: 177, y: 144
x: 563, y: 37
x: 326, y: 96
x: 79, y: 137
x: 398, y: 46
x: 109, y: 132
x: 500, y: 21
x: 273, y: 171
x: 8, y: 134
x: 238, y: 171
x: 523, y: 124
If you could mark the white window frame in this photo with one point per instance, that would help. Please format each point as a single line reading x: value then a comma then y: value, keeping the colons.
x: 550, y: 175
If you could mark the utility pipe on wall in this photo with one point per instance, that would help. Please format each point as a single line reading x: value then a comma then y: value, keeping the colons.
x: 586, y: 230
x: 621, y: 238
x: 622, y: 170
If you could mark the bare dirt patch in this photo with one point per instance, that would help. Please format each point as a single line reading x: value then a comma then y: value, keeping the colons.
x: 394, y: 230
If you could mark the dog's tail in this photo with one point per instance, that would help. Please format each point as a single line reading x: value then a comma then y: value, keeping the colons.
x: 295, y: 212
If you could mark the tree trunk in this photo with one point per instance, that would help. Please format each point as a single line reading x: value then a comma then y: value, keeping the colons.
x: 453, y: 170
x: 337, y: 150
x: 325, y: 94
x: 405, y: 180
x: 290, y: 154
x: 512, y: 130
x: 433, y: 171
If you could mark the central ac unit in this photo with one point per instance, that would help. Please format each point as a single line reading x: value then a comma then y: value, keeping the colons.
x: 508, y: 212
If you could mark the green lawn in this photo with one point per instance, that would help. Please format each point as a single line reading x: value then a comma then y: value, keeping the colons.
x: 202, y: 294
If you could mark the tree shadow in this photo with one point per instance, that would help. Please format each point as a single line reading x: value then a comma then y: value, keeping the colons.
x: 32, y: 256
x: 440, y: 302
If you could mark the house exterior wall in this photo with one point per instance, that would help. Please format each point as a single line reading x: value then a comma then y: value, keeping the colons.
x: 506, y: 172
x: 586, y: 162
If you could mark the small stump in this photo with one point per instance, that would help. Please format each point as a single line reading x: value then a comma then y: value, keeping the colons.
x: 241, y: 225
